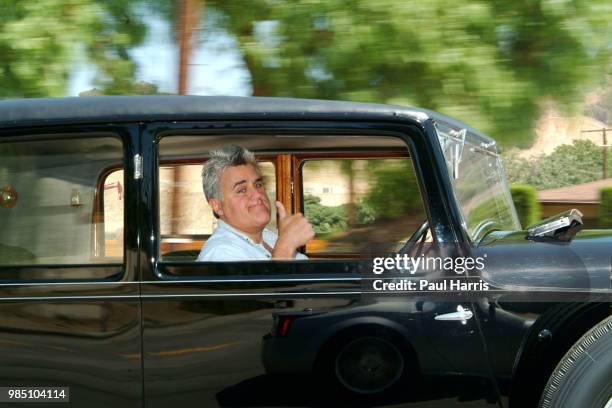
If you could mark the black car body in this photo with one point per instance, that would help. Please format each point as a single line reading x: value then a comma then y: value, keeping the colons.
x: 105, y: 297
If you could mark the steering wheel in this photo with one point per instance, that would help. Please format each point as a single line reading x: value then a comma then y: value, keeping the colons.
x: 419, y: 236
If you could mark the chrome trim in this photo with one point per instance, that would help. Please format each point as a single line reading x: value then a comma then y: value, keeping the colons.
x: 66, y: 283
x: 229, y: 280
x: 92, y: 297
x: 162, y: 296
x: 278, y: 294
x: 137, y: 167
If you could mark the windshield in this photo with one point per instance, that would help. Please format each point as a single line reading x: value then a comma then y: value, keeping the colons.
x: 478, y: 181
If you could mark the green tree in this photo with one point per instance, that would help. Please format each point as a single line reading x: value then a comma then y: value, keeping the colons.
x: 39, y: 40
x: 567, y: 165
x: 393, y: 191
x: 489, y: 63
x: 324, y: 219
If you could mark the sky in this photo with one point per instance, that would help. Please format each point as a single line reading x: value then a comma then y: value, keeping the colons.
x: 216, y: 66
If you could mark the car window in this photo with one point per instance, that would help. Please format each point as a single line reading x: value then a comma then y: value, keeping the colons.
x: 113, y: 192
x: 310, y: 174
x: 186, y: 219
x: 54, y: 192
x: 360, y: 206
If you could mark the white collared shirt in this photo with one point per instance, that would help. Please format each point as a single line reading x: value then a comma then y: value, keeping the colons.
x: 228, y: 244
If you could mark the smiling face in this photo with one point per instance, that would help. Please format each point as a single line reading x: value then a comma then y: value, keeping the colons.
x: 245, y: 205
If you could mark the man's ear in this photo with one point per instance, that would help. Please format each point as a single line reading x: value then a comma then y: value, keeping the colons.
x: 216, y: 206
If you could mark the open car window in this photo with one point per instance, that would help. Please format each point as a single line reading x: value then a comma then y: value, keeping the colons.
x: 186, y: 219
x: 360, y: 193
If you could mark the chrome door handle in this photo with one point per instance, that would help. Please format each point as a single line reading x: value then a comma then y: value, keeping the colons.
x: 462, y: 315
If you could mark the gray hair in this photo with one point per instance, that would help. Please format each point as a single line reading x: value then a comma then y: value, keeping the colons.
x: 220, y: 159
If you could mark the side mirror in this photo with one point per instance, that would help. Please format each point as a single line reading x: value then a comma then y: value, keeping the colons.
x: 560, y: 227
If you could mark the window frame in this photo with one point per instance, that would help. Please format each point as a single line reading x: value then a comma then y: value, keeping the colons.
x: 284, y: 270
x: 43, y: 273
x: 98, y: 237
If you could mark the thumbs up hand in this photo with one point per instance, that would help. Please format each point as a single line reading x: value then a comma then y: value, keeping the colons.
x: 280, y: 210
x: 294, y: 231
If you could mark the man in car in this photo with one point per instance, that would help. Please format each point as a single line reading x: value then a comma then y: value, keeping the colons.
x: 234, y: 188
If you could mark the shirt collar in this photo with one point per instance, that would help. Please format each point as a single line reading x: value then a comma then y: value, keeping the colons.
x: 224, y: 226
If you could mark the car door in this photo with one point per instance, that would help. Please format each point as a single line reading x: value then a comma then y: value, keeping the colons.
x: 69, y: 294
x: 286, y: 333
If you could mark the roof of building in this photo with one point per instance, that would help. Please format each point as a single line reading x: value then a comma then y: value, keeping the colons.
x: 580, y: 193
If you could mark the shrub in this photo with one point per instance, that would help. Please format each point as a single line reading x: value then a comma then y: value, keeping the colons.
x: 605, y: 207
x: 324, y: 219
x: 528, y: 208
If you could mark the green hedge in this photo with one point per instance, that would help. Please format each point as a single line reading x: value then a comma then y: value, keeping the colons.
x: 526, y: 202
x: 605, y: 207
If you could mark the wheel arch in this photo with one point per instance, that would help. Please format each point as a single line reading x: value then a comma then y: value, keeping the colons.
x: 540, y: 352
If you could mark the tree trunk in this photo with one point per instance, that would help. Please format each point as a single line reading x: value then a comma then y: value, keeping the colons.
x: 188, y: 20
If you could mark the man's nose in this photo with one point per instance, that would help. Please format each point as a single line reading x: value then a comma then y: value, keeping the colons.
x: 255, y: 193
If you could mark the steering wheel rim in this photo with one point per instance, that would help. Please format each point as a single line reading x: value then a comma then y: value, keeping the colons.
x: 419, y: 235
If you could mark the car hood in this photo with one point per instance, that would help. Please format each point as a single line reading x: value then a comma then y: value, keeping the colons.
x: 515, y: 263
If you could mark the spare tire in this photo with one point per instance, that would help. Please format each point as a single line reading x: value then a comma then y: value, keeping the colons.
x: 583, y: 377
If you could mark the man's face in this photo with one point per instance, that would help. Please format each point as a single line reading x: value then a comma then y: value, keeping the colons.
x: 245, y: 205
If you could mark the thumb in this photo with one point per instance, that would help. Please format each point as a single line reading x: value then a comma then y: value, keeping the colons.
x: 280, y: 209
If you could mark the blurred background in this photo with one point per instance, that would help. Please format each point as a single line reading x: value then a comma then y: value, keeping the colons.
x: 534, y: 74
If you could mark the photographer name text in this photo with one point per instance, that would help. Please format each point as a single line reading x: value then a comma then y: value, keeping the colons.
x: 409, y: 285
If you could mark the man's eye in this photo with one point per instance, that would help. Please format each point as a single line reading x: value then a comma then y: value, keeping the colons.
x: 259, y: 184
x: 242, y: 190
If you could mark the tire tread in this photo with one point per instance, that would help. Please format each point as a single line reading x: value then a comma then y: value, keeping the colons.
x: 575, y: 355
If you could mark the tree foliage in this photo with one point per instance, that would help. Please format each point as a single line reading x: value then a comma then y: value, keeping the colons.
x: 489, y: 63
x: 393, y: 191
x: 324, y: 219
x: 578, y: 163
x: 39, y: 40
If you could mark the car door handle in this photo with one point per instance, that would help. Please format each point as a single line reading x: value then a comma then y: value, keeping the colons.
x: 462, y: 315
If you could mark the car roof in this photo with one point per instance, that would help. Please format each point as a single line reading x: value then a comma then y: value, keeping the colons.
x: 115, y: 109
x: 148, y: 108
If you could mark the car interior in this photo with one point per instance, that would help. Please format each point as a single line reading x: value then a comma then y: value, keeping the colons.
x: 360, y: 193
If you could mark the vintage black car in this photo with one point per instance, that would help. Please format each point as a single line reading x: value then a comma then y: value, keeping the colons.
x: 102, y: 216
